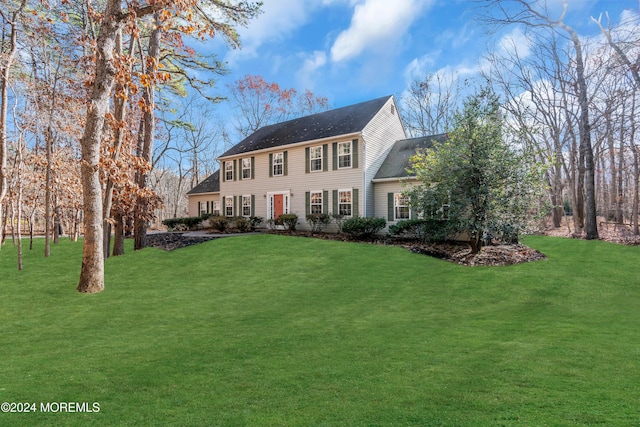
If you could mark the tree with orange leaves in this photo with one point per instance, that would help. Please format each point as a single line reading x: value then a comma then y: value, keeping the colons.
x: 200, y: 18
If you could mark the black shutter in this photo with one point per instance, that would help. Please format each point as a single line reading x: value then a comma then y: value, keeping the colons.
x: 270, y: 165
x: 325, y: 157
x: 390, y: 207
x: 334, y: 149
x: 354, y: 202
x: 307, y: 203
x: 306, y: 160
x: 354, y: 153
x: 253, y: 162
x: 284, y: 160
x: 325, y: 202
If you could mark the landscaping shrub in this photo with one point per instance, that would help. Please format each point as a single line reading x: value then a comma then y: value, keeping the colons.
x: 339, y: 219
x: 318, y: 222
x: 187, y: 223
x: 289, y: 221
x: 428, y: 230
x: 255, y: 221
x: 362, y: 227
x: 219, y: 223
x: 242, y: 224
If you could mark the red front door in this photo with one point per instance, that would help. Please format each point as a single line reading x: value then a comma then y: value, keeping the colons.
x: 278, y: 205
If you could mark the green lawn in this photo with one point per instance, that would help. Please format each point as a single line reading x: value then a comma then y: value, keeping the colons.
x: 269, y: 330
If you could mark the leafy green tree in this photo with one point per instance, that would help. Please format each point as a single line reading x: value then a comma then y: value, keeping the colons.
x: 475, y: 179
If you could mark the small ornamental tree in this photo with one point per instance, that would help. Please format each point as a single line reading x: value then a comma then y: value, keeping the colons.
x: 484, y: 183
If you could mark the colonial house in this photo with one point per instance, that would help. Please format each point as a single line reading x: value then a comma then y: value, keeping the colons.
x: 349, y: 161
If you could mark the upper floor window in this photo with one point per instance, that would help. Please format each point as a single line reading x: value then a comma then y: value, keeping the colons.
x: 344, y: 155
x: 278, y: 164
x: 246, y: 168
x: 228, y: 171
x: 315, y: 159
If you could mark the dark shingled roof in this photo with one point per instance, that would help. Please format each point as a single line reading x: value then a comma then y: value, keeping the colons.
x: 397, y: 161
x: 340, y: 121
x: 211, y: 184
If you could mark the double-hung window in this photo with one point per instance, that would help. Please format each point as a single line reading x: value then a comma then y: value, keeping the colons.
x: 246, y: 168
x: 246, y: 206
x: 278, y: 164
x: 344, y: 155
x: 344, y: 202
x: 315, y: 159
x: 401, y: 207
x: 228, y: 171
x: 228, y: 206
x: 316, y: 202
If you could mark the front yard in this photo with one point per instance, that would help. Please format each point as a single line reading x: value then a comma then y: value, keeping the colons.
x: 273, y: 330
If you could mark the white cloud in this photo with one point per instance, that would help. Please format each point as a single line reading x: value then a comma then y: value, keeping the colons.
x: 279, y: 18
x: 312, y: 62
x: 516, y: 42
x: 419, y: 67
x: 375, y: 23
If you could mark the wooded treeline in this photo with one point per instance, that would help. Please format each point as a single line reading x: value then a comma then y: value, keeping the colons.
x: 83, y: 86
x: 571, y: 101
x: 108, y: 115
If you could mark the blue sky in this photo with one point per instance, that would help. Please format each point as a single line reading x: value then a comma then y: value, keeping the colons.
x: 355, y: 50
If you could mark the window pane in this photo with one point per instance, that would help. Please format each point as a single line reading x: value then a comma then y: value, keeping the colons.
x: 315, y: 158
x: 278, y: 161
x: 316, y: 203
x: 246, y: 168
x: 344, y: 155
x: 229, y: 171
x: 344, y: 203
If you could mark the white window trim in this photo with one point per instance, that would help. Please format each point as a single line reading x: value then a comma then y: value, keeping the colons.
x: 242, y: 199
x: 350, y: 143
x: 228, y: 167
x: 273, y: 164
x: 226, y: 201
x: 246, y: 169
x: 311, y: 204
x: 342, y: 190
x: 286, y: 202
x: 396, y: 206
x: 311, y: 158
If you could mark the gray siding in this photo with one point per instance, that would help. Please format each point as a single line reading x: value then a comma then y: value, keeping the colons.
x: 379, y: 136
x: 297, y: 181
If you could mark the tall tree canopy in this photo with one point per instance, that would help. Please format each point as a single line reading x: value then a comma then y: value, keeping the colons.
x: 487, y: 184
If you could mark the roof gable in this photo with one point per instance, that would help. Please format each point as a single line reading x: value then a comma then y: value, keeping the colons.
x: 210, y: 184
x: 340, y: 121
x: 397, y: 162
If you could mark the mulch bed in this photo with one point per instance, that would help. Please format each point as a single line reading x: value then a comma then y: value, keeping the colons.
x: 172, y: 241
x: 458, y: 253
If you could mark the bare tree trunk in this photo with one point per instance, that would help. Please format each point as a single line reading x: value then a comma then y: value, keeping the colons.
x: 5, y: 70
x: 118, y: 239
x: 47, y: 193
x: 140, y: 222
x: 587, y: 168
x: 92, y: 271
x: 120, y: 102
x: 19, y: 203
x: 32, y: 220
